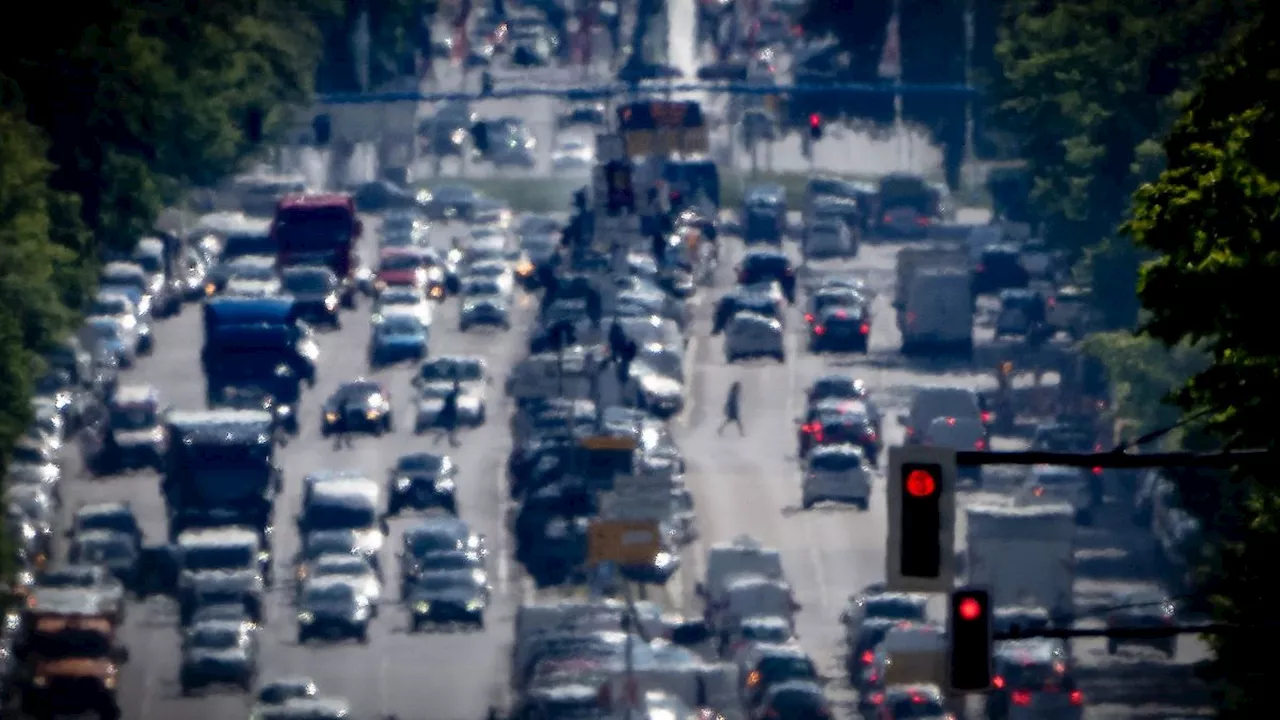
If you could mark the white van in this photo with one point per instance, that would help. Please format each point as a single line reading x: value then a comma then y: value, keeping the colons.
x: 938, y: 314
x: 743, y: 556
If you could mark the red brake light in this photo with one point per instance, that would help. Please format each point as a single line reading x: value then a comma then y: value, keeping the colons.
x: 808, y: 317
x: 819, y: 330
x: 815, y: 120
x: 1077, y: 697
x: 980, y: 445
x: 1021, y: 697
x: 986, y: 416
x: 842, y: 314
x: 868, y: 657
x: 865, y: 328
x: 1097, y: 471
x: 877, y: 698
x: 997, y: 682
x: 922, y: 221
x: 888, y: 219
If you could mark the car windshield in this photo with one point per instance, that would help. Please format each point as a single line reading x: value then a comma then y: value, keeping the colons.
x: 337, y: 592
x: 307, y: 282
x: 766, y: 633
x: 400, y: 261
x: 105, y: 328
x: 450, y: 561
x: 916, y: 706
x: 488, y: 269
x: 481, y: 287
x: 117, y: 521
x: 140, y: 416
x: 27, y: 455
x: 464, y: 370
x: 420, y: 463
x: 252, y: 272
x: 326, y: 542
x: 400, y: 297
x: 835, y: 462
x: 444, y: 583
x: 893, y: 608
x: 400, y: 325
x: 150, y: 263
x: 110, y: 305
x: 218, y: 557
x: 787, y: 668
x: 453, y: 193
x: 105, y: 550
x: 420, y: 544
x: 68, y: 578
x: 358, y: 391
x: 340, y: 516
x: 214, y: 638
x: 349, y: 565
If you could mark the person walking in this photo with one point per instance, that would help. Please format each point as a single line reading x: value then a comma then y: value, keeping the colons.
x: 448, y: 418
x: 733, y: 409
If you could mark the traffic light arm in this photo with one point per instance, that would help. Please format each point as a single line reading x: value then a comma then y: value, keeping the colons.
x: 1115, y: 460
x: 1132, y: 633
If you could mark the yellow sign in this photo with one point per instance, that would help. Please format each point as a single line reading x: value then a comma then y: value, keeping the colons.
x: 667, y: 141
x: 625, y: 542
x: 607, y: 442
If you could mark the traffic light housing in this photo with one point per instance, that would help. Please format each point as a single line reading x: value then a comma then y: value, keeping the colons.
x: 815, y: 126
x: 322, y: 128
x: 969, y: 641
x: 619, y: 187
x: 921, y: 498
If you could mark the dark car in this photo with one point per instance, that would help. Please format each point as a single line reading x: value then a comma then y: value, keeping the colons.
x: 796, y: 700
x: 359, y: 406
x: 999, y: 268
x: 449, y: 202
x: 1149, y: 609
x: 835, y: 422
x: 421, y: 481
x: 763, y: 266
x: 315, y: 291
x: 841, y: 329
x: 332, y: 608
x: 447, y: 598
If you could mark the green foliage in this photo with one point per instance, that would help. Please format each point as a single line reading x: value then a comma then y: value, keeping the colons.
x: 1212, y: 215
x: 1087, y: 85
x: 1144, y: 374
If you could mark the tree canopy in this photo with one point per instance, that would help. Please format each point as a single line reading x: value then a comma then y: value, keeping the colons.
x: 1212, y: 217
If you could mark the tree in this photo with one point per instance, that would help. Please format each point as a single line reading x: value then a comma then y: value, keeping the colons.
x: 1213, y: 216
x: 1087, y: 86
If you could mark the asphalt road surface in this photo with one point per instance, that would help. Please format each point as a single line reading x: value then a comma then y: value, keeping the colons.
x: 396, y: 672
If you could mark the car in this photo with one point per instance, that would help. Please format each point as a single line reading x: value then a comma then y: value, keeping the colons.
x: 1033, y: 679
x: 451, y: 597
x: 115, y: 551
x: 358, y: 406
x: 489, y: 309
x: 397, y: 335
x: 499, y: 271
x: 401, y: 267
x: 795, y: 699
x: 439, y: 543
x: 749, y: 334
x: 398, y: 299
x: 135, y: 437
x: 836, y: 473
x: 120, y: 306
x: 117, y: 517
x: 772, y: 665
x: 908, y: 702
x: 441, y: 376
x: 333, y: 608
x: 115, y: 338
x: 218, y: 652
x: 825, y: 240
x: 355, y: 569
x: 942, y: 402
x: 841, y: 329
x: 282, y: 690
x: 449, y: 202
x: 315, y: 291
x: 422, y: 481
x: 572, y: 154
x: 1147, y: 608
x: 55, y: 586
x: 836, y: 421
x: 958, y: 434
x: 252, y: 276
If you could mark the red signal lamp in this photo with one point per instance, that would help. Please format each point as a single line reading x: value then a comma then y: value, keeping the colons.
x: 921, y: 484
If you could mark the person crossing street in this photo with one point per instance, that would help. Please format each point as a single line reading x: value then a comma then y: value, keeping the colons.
x: 733, y: 409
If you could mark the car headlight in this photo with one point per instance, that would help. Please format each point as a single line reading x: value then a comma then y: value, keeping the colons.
x: 422, y: 608
x: 663, y: 559
x: 210, y: 289
x: 524, y: 269
x: 372, y: 413
x: 301, y: 573
x: 361, y: 613
x: 444, y: 486
x: 380, y: 285
x: 437, y: 292
x: 475, y: 606
x: 403, y: 483
x: 40, y: 681
x: 331, y: 417
x: 109, y: 682
x: 306, y: 618
x: 310, y: 351
x: 330, y: 303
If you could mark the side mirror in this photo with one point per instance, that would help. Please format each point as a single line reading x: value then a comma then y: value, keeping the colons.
x: 691, y: 633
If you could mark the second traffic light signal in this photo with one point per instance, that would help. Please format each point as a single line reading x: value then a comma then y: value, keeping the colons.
x: 969, y: 641
x: 815, y: 126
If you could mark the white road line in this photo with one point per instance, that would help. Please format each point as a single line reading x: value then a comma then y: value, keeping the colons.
x: 690, y: 375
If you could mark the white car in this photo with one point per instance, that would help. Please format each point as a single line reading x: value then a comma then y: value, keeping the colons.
x: 120, y: 307
x: 836, y: 473
x: 473, y: 287
x: 485, y: 247
x: 405, y: 300
x: 828, y: 240
x: 573, y: 154
x: 354, y: 568
x: 431, y: 397
x: 497, y: 270
x: 752, y: 335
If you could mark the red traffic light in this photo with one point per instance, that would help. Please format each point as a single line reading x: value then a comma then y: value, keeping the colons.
x: 970, y: 609
x: 921, y: 484
x: 815, y: 120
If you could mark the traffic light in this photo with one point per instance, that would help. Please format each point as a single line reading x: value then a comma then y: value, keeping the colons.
x: 815, y: 126
x: 480, y: 136
x: 253, y: 125
x: 621, y: 193
x: 921, y: 497
x: 322, y: 128
x: 969, y: 648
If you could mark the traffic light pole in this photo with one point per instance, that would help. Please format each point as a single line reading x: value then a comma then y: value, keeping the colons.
x: 1154, y: 632
x: 1115, y: 460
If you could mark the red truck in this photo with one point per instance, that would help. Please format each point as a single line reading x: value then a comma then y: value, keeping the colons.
x: 319, y: 229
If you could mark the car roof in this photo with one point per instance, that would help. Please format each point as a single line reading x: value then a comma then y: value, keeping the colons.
x: 218, y: 537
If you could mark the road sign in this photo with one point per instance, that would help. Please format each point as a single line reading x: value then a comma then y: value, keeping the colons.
x: 625, y: 542
x: 921, y: 494
x: 662, y: 127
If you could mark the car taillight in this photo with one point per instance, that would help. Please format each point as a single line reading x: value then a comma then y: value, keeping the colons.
x: 1077, y: 697
x: 864, y: 328
x: 986, y: 416
x: 922, y: 221
x: 871, y: 436
x: 910, y: 432
x: 877, y: 699
x: 997, y: 682
x: 817, y: 434
x: 1021, y: 698
x: 1097, y: 471
x: 808, y: 317
x: 887, y: 219
x: 980, y: 445
x: 868, y: 657
x: 819, y: 330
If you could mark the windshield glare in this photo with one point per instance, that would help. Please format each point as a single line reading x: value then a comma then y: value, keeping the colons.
x: 109, y: 306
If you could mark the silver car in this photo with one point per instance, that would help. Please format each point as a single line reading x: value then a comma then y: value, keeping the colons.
x: 836, y: 473
x: 749, y: 335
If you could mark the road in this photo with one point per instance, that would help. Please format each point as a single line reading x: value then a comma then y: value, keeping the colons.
x: 750, y: 485
x: 395, y: 672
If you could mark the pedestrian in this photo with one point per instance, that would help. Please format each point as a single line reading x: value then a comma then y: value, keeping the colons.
x: 733, y: 409
x: 448, y: 417
x: 616, y: 339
